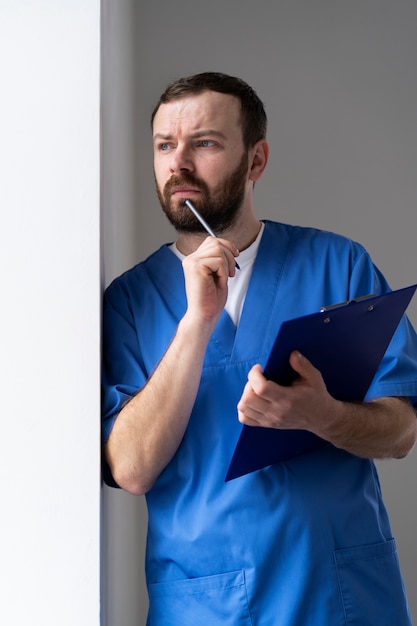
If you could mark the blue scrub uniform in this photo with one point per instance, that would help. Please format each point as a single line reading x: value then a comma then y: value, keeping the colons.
x: 306, y: 542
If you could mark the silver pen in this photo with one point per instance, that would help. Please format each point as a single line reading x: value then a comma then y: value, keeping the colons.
x: 204, y: 223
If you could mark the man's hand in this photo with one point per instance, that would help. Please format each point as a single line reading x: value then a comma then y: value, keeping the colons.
x: 382, y: 428
x: 302, y: 405
x: 206, y: 274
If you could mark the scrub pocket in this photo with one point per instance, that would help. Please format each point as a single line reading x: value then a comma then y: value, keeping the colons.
x: 218, y: 600
x: 371, y: 585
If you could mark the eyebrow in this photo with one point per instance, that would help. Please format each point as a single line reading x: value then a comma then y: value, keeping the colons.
x: 195, y: 135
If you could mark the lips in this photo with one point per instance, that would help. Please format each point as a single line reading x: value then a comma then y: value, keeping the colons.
x: 181, y: 187
x: 183, y: 191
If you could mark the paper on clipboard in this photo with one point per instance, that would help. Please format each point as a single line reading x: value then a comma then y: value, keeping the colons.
x: 346, y: 343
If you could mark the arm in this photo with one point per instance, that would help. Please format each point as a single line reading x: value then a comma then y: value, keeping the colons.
x: 382, y: 428
x: 150, y: 427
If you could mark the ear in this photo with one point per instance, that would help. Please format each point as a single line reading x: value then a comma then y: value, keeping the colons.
x: 259, y: 158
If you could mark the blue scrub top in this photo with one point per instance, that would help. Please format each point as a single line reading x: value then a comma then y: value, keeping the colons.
x: 303, y: 542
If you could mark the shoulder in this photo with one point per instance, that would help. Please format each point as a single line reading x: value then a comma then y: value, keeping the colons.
x: 304, y: 239
x: 139, y: 274
x: 338, y: 267
x: 307, y: 233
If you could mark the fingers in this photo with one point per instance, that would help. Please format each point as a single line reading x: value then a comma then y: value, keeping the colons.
x: 214, y: 256
x: 257, y: 380
x: 300, y: 363
x: 206, y: 272
x: 266, y: 403
x: 222, y: 248
x: 254, y: 403
x: 308, y: 375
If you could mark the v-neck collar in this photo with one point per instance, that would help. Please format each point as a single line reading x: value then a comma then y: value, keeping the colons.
x: 259, y: 323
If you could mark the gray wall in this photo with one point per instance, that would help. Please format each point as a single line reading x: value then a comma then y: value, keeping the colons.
x: 340, y: 87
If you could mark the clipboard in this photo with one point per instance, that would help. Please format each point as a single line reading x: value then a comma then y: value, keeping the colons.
x: 346, y: 342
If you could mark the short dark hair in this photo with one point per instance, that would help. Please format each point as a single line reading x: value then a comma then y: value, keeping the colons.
x: 254, y: 120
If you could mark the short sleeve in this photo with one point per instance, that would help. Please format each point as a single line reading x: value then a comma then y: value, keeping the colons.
x: 397, y: 373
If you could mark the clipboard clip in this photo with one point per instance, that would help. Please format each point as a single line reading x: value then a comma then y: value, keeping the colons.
x: 330, y: 307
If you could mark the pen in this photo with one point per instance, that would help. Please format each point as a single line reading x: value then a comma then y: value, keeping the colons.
x: 204, y: 223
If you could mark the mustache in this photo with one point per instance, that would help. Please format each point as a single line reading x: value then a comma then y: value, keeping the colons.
x: 182, y: 180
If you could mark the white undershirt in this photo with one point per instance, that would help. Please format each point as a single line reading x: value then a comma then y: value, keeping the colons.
x: 238, y: 285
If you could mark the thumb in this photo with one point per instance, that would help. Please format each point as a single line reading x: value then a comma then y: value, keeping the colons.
x: 256, y: 370
x: 255, y: 375
x: 300, y: 364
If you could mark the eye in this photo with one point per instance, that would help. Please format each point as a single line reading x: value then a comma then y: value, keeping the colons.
x: 207, y: 143
x: 163, y: 147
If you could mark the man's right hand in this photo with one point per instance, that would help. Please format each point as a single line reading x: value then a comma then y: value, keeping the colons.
x: 206, y: 272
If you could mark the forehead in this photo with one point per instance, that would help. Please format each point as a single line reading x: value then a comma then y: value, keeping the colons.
x: 207, y: 110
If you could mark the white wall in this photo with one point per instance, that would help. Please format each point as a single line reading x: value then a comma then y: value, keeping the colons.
x: 339, y: 83
x: 49, y: 331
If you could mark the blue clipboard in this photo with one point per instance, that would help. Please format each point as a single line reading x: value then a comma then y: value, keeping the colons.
x: 346, y: 342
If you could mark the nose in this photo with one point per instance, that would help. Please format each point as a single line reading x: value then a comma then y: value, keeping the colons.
x: 181, y: 160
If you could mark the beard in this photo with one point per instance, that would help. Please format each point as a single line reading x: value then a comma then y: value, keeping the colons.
x: 219, y: 207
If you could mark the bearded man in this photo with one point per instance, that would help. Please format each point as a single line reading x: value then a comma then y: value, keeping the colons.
x: 301, y: 542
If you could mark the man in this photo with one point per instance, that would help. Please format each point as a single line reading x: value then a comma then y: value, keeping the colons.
x: 302, y: 542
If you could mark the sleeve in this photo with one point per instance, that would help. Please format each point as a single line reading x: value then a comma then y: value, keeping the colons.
x: 397, y: 373
x: 123, y: 372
